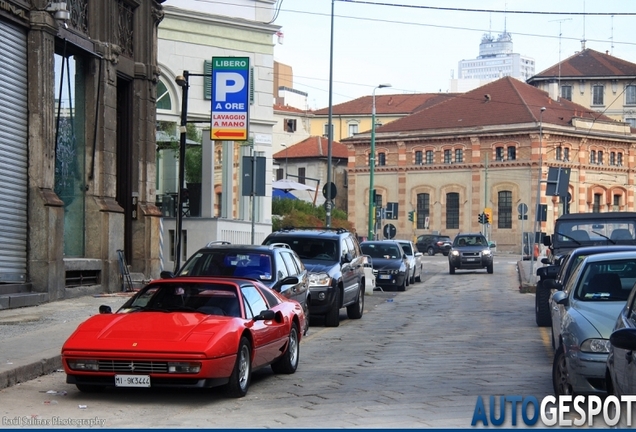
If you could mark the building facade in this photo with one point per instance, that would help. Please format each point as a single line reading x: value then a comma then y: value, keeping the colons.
x: 496, y: 59
x: 598, y: 81
x: 491, y: 148
x: 77, y: 146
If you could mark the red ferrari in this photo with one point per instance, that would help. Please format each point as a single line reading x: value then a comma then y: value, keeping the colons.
x: 187, y: 332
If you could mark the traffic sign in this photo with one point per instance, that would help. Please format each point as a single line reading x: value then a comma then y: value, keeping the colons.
x: 333, y: 190
x: 230, y: 98
x: 522, y: 208
x: 389, y: 231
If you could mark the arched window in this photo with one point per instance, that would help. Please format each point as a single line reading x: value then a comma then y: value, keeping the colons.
x: 452, y: 210
x: 504, y: 209
x: 423, y: 209
x: 163, y: 97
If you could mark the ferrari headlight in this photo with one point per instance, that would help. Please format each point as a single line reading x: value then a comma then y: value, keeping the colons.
x: 83, y: 364
x: 597, y: 346
x: 319, y: 279
x: 184, y: 367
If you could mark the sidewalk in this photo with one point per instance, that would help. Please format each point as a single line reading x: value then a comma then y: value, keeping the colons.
x: 32, y: 337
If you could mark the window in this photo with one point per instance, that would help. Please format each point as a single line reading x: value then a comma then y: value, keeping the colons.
x: 381, y: 159
x: 630, y: 95
x: 452, y: 210
x: 301, y: 175
x: 163, y: 96
x: 418, y: 157
x: 592, y: 156
x: 566, y: 92
x: 290, y: 125
x: 616, y: 203
x: 459, y: 156
x: 253, y: 301
x: 423, y: 203
x: 504, y: 209
x: 612, y: 159
x: 631, y: 121
x: 512, y: 153
x: 596, y: 206
x: 566, y: 154
x: 325, y: 131
x: 353, y: 129
x: 599, y: 157
x: 619, y: 159
x: 429, y: 157
x: 447, y: 157
x: 597, y: 94
x: 279, y: 174
x: 499, y: 153
x: 558, y: 154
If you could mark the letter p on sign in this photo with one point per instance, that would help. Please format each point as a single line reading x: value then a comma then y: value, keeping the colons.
x: 228, y: 82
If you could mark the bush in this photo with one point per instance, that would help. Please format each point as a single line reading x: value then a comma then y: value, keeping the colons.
x: 298, y: 213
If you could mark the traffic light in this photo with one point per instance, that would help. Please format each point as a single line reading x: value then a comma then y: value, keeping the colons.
x: 412, y: 215
x: 486, y: 218
x: 480, y: 218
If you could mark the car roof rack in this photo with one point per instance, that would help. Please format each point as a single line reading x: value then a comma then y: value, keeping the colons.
x: 314, y: 228
x: 282, y: 245
x: 217, y: 242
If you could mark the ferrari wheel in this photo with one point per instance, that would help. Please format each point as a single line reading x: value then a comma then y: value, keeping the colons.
x: 288, y: 363
x: 242, y: 373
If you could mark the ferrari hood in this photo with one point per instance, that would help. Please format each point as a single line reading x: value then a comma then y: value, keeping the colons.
x: 149, y: 331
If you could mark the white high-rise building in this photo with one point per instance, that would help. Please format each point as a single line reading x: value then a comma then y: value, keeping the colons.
x: 495, y: 60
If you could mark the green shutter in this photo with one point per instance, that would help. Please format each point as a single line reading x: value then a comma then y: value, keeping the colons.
x: 252, y: 86
x: 207, y: 80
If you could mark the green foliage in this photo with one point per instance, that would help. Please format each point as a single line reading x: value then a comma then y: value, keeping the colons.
x: 193, y: 164
x: 300, y: 213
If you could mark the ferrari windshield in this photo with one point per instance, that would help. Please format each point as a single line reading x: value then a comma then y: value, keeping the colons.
x: 207, y: 298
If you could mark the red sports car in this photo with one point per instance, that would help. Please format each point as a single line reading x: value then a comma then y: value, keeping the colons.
x: 187, y: 332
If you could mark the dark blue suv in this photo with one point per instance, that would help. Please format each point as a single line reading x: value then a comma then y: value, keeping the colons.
x: 336, y: 269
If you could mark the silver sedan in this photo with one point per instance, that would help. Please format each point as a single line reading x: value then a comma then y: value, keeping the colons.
x: 583, y: 316
x: 416, y: 262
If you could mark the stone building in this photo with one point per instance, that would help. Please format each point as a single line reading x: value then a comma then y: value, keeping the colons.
x: 490, y: 148
x: 77, y: 145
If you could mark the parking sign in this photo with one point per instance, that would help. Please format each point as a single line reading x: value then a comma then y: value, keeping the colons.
x: 230, y: 98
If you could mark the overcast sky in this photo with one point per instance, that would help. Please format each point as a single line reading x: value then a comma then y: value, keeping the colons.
x: 417, y: 49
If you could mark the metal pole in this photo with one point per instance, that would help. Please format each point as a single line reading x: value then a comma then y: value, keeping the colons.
x: 371, y: 231
x: 537, y: 208
x: 185, y: 84
x: 253, y: 188
x: 330, y: 127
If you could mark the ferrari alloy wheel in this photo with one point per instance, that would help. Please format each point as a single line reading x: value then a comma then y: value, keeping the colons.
x: 355, y: 310
x: 288, y: 363
x: 560, y: 381
x: 242, y: 373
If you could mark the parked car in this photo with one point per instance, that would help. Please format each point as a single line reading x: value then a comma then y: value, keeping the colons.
x: 416, y: 264
x: 554, y: 277
x: 336, y: 269
x: 621, y: 365
x: 470, y: 251
x: 583, y: 315
x: 275, y: 266
x: 390, y: 263
x: 432, y: 244
x: 187, y: 332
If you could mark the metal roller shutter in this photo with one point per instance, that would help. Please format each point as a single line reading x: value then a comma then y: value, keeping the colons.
x: 13, y: 153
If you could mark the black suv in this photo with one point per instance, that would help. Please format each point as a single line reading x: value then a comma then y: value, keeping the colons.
x: 432, y: 244
x: 336, y: 265
x: 470, y: 251
x: 275, y: 266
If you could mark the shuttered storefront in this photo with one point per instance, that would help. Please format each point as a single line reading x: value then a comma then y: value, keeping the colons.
x: 13, y: 153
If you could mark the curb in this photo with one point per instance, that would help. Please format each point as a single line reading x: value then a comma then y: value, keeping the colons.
x: 30, y: 371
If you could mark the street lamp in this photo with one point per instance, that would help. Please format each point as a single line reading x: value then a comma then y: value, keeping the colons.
x: 184, y: 82
x: 538, y: 205
x: 371, y: 230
